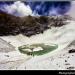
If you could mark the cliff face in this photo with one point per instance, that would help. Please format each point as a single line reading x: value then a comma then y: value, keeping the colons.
x: 28, y: 25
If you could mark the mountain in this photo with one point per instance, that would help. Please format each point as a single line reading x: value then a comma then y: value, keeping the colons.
x: 8, y: 23
x: 28, y: 25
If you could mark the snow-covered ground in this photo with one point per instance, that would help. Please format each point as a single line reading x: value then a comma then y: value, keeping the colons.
x: 55, y: 60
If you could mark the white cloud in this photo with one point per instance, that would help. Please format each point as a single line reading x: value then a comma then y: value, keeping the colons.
x: 53, y: 11
x: 71, y: 12
x: 18, y: 9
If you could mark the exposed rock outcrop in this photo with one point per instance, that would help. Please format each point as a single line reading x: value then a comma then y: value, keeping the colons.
x: 28, y: 25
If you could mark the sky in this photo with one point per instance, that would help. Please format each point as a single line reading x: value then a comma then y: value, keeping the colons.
x: 47, y: 8
x: 71, y: 12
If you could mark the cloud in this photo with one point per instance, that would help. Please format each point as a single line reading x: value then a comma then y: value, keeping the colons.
x: 71, y: 12
x: 21, y: 9
x: 18, y: 8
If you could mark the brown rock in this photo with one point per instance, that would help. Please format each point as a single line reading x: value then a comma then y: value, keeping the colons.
x: 28, y: 25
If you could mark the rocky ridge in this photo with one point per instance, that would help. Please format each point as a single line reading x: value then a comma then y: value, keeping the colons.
x: 29, y: 25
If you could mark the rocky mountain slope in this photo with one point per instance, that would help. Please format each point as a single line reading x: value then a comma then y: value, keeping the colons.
x: 63, y: 58
x: 28, y: 25
x: 57, y: 30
